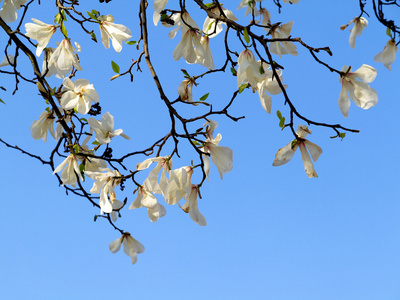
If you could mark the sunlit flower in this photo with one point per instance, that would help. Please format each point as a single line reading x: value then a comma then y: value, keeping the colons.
x: 9, y: 10
x: 116, y: 32
x: 45, y: 123
x: 179, y: 184
x: 192, y: 206
x: 79, y: 94
x: 50, y: 68
x: 212, y: 27
x: 151, y: 184
x: 41, y: 32
x: 388, y: 55
x: 185, y: 91
x: 131, y: 246
x: 158, y: 7
x: 250, y: 5
x: 65, y: 58
x: 359, y: 24
x: 147, y: 199
x: 360, y: 92
x: 104, y: 129
x: 248, y: 71
x: 68, y: 175
x: 285, y: 154
x: 204, y: 55
x: 282, y: 32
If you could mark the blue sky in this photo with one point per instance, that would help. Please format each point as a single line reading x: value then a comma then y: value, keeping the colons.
x: 272, y: 232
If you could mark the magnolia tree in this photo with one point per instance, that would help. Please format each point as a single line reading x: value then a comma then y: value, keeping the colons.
x: 253, y: 41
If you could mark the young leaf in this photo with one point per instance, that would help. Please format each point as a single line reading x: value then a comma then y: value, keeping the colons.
x: 57, y: 18
x: 388, y: 32
x: 130, y: 42
x: 246, y: 35
x: 233, y: 71
x: 242, y: 87
x: 294, y: 143
x: 91, y: 15
x: 76, y: 148
x: 115, y: 67
x: 2, y: 101
x: 204, y: 97
x: 96, y: 143
x: 93, y: 37
x: 278, y: 113
x: 342, y: 135
x: 63, y: 30
x: 282, y: 122
x: 185, y: 73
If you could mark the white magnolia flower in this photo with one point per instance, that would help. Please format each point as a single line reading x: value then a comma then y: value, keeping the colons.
x: 79, y: 94
x: 65, y: 58
x: 151, y: 184
x: 9, y: 10
x: 191, y: 206
x: 212, y: 27
x: 41, y: 32
x: 179, y: 184
x: 282, y: 32
x: 185, y: 91
x: 45, y: 123
x: 131, y: 246
x: 158, y: 7
x: 8, y: 60
x: 388, y: 55
x: 68, y: 175
x: 250, y: 5
x: 186, y: 47
x: 266, y: 17
x: 174, y: 20
x: 104, y: 129
x: 359, y: 24
x: 105, y: 182
x: 285, y: 154
x: 267, y: 83
x: 222, y: 157
x: 204, y: 55
x: 360, y: 92
x: 249, y: 69
x: 147, y: 199
x: 116, y: 205
x: 50, y: 68
x: 116, y: 32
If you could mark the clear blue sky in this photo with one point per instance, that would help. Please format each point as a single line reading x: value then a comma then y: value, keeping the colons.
x: 272, y: 232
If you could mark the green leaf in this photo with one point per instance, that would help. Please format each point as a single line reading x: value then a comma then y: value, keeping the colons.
x: 328, y: 51
x: 63, y: 30
x: 81, y: 168
x: 209, y: 25
x: 246, y: 35
x: 92, y: 16
x: 342, y: 135
x: 204, y: 97
x: 233, y: 71
x: 76, y: 148
x: 47, y: 109
x: 130, y: 42
x: 95, y: 12
x: 83, y: 120
x: 209, y: 4
x: 261, y: 70
x: 242, y: 87
x: 93, y: 35
x: 96, y: 143
x: 185, y: 73
x: 63, y: 15
x: 282, y: 122
x: 196, y: 143
x: 388, y: 32
x: 278, y: 113
x: 115, y: 67
x: 57, y: 18
x: 294, y: 143
x: 2, y: 101
x: 95, y: 218
x: 75, y: 110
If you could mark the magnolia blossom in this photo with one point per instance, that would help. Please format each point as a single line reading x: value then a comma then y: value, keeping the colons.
x: 360, y: 92
x: 189, y: 42
x: 45, y: 123
x: 172, y: 21
x: 131, y: 246
x: 266, y: 17
x: 116, y: 205
x: 147, y: 199
x: 222, y: 157
x: 191, y: 206
x: 212, y: 27
x: 388, y: 54
x: 9, y: 10
x: 116, y: 32
x: 179, y: 185
x: 104, y: 129
x: 151, y: 184
x: 250, y: 5
x: 41, y: 32
x: 282, y: 32
x: 64, y: 57
x: 359, y: 24
x: 68, y: 175
x: 185, y: 91
x: 79, y: 94
x: 158, y: 7
x: 249, y: 69
x: 105, y: 183
x: 285, y: 154
x: 50, y: 67
x: 7, y: 60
